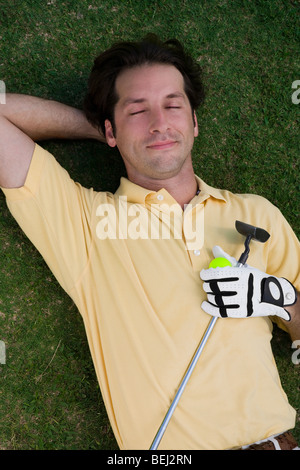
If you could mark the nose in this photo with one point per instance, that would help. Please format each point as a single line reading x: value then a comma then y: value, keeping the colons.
x: 158, y: 122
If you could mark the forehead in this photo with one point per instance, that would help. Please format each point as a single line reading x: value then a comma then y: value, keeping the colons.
x: 146, y: 81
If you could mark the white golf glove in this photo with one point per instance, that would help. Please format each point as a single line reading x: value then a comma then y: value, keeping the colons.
x: 245, y: 292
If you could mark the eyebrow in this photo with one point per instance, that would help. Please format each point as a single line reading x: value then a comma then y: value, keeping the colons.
x: 143, y: 100
x: 175, y: 95
x: 133, y: 101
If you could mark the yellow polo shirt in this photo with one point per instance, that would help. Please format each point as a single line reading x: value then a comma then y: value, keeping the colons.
x: 140, y: 299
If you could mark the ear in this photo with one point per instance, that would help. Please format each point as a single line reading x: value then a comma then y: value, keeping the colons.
x: 109, y: 134
x: 196, y: 130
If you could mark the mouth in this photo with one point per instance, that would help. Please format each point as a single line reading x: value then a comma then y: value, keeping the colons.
x: 166, y: 144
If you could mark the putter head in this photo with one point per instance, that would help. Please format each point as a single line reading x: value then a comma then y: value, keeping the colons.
x: 251, y: 233
x: 256, y: 233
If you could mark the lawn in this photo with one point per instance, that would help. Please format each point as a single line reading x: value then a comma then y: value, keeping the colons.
x: 248, y: 142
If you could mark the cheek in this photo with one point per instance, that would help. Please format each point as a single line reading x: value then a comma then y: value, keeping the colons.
x: 133, y: 131
x: 125, y: 140
x: 183, y: 122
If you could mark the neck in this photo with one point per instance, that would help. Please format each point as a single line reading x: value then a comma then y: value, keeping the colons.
x: 182, y: 186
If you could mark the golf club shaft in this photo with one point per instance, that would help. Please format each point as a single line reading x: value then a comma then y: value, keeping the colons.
x: 250, y: 232
x: 185, y: 379
x: 182, y: 385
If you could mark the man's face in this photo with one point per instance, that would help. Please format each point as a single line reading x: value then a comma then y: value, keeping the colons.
x: 154, y: 123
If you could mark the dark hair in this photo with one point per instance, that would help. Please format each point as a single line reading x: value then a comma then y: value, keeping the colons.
x: 101, y: 96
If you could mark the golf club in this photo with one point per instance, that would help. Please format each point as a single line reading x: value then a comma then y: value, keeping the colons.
x: 250, y: 232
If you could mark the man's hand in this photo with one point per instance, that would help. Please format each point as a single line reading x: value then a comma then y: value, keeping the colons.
x: 246, y: 292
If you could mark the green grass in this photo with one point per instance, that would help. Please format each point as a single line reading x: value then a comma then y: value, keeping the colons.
x: 249, y: 142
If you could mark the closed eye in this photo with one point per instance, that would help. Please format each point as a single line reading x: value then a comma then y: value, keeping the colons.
x: 137, y: 112
x: 144, y: 110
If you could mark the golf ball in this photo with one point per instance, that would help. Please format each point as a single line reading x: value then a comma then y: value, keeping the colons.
x: 219, y: 263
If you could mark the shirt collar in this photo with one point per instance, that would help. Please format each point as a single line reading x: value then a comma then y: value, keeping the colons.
x: 133, y: 192
x: 137, y: 194
x: 209, y: 191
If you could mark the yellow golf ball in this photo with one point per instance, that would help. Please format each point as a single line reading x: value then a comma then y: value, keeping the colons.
x: 219, y: 263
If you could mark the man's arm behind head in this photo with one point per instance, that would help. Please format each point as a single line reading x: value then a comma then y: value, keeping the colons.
x: 25, y: 119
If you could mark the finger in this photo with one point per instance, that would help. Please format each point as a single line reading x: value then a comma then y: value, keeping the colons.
x: 220, y: 253
x: 223, y: 288
x: 219, y: 273
x: 210, y: 309
x: 228, y: 300
x: 266, y: 309
x: 228, y: 286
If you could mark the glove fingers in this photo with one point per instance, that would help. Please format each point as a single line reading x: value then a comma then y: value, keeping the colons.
x: 224, y: 288
x: 245, y: 292
x: 210, y: 309
x: 225, y: 301
x: 216, y: 274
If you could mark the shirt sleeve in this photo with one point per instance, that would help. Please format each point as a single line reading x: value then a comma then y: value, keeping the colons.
x: 284, y: 253
x: 54, y: 212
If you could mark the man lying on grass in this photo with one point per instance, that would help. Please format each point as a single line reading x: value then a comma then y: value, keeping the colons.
x: 134, y: 262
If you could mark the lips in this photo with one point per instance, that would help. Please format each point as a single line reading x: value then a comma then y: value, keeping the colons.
x: 161, y: 145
